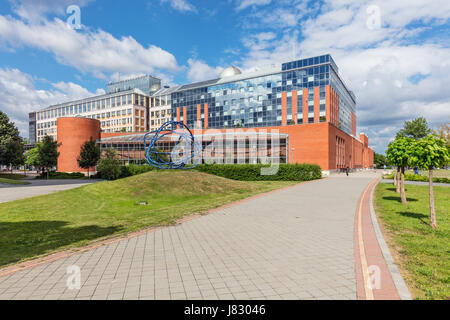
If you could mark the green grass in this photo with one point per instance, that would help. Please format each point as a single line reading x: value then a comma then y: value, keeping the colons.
x: 12, y: 181
x: 423, y: 253
x: 30, y: 228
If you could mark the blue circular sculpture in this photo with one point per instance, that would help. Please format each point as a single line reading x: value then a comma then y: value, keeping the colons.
x: 185, y: 149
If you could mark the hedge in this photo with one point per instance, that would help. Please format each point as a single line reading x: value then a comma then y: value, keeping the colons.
x: 252, y: 172
x: 415, y: 177
x: 61, y: 175
x: 133, y: 170
x: 243, y: 172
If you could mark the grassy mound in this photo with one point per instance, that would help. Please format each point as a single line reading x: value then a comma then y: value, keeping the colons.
x: 29, y: 228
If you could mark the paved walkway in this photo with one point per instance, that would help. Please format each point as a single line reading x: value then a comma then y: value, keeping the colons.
x: 38, y: 188
x: 297, y: 243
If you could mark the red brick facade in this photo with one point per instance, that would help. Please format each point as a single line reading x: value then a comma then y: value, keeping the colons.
x: 72, y: 134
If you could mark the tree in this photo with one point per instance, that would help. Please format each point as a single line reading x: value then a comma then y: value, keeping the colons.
x: 398, y: 155
x: 443, y: 132
x: 9, y: 139
x: 8, y: 131
x: 429, y: 153
x: 380, y: 160
x: 48, y: 153
x: 415, y: 129
x: 12, y: 153
x: 109, y: 166
x: 32, y: 157
x: 89, y: 155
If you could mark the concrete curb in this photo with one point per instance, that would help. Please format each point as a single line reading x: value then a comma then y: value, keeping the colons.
x: 399, y: 282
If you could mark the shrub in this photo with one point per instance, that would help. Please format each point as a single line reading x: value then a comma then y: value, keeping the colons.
x: 415, y: 177
x: 109, y: 166
x: 62, y: 175
x: 252, y: 172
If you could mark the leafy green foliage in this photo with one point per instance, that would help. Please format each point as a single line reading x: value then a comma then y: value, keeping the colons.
x: 11, y: 144
x: 12, y: 153
x: 89, y: 155
x: 48, y: 152
x: 109, y: 166
x: 429, y: 153
x: 8, y: 131
x: 380, y: 160
x: 252, y: 172
x: 32, y: 157
x: 415, y: 129
x: 62, y: 175
x: 398, y: 152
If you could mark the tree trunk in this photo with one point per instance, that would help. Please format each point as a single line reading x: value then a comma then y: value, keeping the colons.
x: 402, y: 187
x: 395, y: 177
x: 432, y: 211
x: 398, y: 180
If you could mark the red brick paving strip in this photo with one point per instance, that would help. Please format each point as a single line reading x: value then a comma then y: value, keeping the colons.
x: 373, y: 254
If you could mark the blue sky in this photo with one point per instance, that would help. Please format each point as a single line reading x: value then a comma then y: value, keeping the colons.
x: 394, y: 55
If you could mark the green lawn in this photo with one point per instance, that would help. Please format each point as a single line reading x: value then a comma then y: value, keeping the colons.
x: 30, y: 228
x: 423, y: 253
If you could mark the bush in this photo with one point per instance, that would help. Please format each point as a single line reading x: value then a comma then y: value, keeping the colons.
x: 252, y: 172
x: 109, y: 166
x: 415, y: 177
x: 62, y: 175
x: 133, y: 170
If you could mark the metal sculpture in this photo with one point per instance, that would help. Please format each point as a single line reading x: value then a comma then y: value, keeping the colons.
x: 184, y: 155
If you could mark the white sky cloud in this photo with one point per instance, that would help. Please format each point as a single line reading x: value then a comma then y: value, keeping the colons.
x: 96, y: 51
x: 19, y: 96
x: 242, y: 4
x: 36, y: 10
x: 181, y: 5
x: 198, y: 71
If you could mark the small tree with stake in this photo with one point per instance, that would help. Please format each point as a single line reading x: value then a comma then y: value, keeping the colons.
x: 429, y: 153
x: 398, y: 155
x: 89, y: 155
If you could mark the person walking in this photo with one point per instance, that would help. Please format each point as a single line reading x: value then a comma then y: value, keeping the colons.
x: 347, y: 170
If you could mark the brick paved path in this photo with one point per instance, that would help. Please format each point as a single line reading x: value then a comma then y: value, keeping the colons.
x: 292, y: 244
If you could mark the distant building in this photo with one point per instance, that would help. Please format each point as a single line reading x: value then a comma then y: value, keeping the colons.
x: 305, y: 101
x: 147, y: 84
